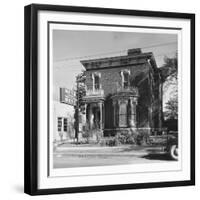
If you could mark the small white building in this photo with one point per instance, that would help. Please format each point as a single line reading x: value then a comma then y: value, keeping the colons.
x: 63, y: 115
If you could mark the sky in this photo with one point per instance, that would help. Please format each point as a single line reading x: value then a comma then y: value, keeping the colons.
x: 71, y: 46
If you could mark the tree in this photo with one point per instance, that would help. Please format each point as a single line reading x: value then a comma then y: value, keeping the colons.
x: 80, y: 93
x: 169, y: 75
x: 172, y: 108
x: 169, y: 70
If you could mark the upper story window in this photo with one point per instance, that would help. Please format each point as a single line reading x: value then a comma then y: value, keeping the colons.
x: 125, y: 74
x: 96, y: 81
x: 126, y: 80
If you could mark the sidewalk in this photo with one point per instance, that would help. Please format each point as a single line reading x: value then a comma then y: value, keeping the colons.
x: 125, y: 150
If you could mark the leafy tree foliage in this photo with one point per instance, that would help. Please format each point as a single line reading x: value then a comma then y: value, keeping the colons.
x: 80, y: 92
x: 79, y: 107
x: 169, y: 74
x: 172, y: 108
x: 169, y: 70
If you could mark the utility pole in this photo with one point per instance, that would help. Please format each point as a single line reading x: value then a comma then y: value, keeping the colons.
x: 77, y: 109
x: 79, y: 93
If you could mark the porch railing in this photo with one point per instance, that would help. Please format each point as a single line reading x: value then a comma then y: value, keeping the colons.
x: 96, y: 92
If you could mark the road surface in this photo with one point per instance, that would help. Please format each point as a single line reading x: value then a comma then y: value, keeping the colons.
x: 104, y: 156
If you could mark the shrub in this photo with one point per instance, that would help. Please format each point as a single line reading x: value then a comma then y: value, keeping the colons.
x: 143, y: 137
x: 126, y: 138
x: 86, y: 135
x: 92, y: 135
x: 109, y: 141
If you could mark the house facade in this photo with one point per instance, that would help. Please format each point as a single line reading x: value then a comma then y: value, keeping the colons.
x: 123, y: 93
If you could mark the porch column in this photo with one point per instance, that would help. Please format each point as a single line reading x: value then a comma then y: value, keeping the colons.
x: 90, y: 116
x: 130, y: 114
x: 135, y: 113
x: 114, y: 113
x: 117, y: 113
x: 101, y: 115
x: 84, y: 115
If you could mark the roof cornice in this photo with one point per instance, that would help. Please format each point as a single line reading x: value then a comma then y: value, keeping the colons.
x: 110, y: 62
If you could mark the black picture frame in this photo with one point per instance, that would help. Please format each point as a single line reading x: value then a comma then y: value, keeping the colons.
x: 31, y: 97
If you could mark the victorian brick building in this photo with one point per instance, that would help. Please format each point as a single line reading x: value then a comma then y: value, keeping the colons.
x: 123, y: 93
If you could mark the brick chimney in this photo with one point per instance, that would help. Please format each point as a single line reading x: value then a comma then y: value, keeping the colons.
x: 133, y: 52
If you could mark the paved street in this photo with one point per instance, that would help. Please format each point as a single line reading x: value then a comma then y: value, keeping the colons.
x: 99, y: 156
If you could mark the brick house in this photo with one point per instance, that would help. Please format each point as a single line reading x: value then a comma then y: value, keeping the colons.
x: 123, y: 93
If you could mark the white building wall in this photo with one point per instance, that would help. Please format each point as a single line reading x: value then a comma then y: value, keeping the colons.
x: 64, y: 111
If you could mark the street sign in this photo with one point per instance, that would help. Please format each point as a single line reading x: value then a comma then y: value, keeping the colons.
x: 68, y: 96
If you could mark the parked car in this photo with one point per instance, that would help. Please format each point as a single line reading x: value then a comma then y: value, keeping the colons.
x: 168, y: 141
x: 172, y: 145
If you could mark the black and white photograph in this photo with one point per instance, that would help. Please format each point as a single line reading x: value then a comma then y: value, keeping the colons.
x: 111, y: 101
x: 100, y: 100
x: 115, y: 98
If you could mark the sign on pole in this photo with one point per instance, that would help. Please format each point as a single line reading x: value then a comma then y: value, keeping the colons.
x: 68, y: 96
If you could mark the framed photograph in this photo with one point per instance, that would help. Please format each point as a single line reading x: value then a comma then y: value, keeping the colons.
x: 109, y: 99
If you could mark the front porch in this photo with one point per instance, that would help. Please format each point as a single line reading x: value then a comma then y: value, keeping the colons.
x: 95, y: 111
x: 94, y: 115
x: 118, y: 113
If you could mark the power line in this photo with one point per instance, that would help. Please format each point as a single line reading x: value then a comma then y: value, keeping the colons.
x: 113, y: 52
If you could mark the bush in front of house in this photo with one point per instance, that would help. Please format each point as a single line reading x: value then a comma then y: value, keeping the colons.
x: 127, y: 137
x: 121, y: 138
x: 133, y: 137
x: 142, y: 137
x: 86, y: 136
x: 109, y: 141
x: 92, y: 136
